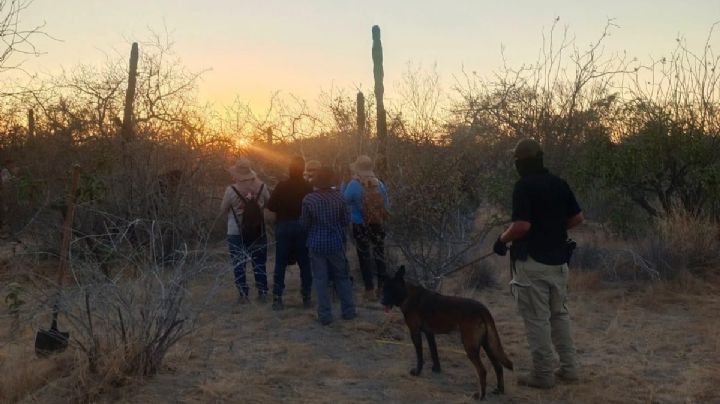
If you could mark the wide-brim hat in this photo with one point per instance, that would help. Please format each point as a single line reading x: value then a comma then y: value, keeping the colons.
x: 242, y: 170
x: 363, y: 166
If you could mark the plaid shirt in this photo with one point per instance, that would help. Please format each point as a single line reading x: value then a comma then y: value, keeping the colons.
x: 325, y: 216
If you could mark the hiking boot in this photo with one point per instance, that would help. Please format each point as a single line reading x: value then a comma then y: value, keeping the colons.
x: 349, y: 316
x: 567, y: 376
x: 262, y: 298
x: 325, y: 321
x: 243, y: 299
x: 532, y: 380
x: 278, y: 304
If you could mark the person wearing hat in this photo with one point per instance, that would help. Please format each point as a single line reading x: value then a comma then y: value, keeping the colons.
x: 325, y: 217
x: 286, y: 203
x: 544, y: 208
x: 247, y: 187
x: 311, y: 168
x: 368, y: 230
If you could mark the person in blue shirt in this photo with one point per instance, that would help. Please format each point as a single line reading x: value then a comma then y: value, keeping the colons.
x: 325, y: 217
x: 368, y: 227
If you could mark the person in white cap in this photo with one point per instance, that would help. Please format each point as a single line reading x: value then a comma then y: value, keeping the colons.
x: 243, y: 203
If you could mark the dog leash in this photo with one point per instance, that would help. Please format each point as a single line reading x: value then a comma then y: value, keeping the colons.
x: 467, y: 264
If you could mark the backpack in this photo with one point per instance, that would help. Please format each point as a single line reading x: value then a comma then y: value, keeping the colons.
x: 253, y: 219
x: 373, y: 204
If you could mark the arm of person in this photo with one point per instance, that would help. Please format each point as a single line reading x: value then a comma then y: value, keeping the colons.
x: 305, y: 216
x: 352, y: 192
x: 264, y: 196
x: 517, y: 230
x: 344, y: 216
x: 520, y: 225
x: 274, y: 199
x: 575, y: 213
x: 226, y: 202
x: 383, y: 189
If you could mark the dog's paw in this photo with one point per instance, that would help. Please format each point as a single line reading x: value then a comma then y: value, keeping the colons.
x: 414, y: 372
x: 436, y: 369
x: 498, y: 391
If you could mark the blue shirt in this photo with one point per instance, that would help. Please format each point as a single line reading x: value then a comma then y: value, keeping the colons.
x: 353, y: 193
x: 325, y: 216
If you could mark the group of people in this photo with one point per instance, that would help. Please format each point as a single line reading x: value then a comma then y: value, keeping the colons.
x: 312, y: 211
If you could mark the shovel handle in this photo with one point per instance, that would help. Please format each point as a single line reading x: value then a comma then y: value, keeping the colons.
x: 67, y: 226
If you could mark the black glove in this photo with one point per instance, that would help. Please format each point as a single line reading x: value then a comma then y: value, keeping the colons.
x: 500, y: 248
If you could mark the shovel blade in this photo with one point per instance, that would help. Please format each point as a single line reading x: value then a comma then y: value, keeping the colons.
x: 50, y: 341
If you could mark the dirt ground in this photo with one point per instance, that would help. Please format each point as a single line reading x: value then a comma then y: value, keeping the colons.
x: 651, y: 345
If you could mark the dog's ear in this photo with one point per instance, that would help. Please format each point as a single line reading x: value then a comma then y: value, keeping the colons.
x: 400, y: 273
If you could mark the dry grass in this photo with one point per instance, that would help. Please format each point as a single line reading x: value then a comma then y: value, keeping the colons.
x: 23, y: 373
x: 637, y: 345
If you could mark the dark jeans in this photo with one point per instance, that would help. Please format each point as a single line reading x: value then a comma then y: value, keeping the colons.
x: 290, y: 239
x: 369, y: 242
x: 336, y: 266
x: 241, y: 253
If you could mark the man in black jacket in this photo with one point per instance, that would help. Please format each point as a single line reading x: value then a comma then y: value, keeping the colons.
x: 286, y: 203
x: 544, y: 208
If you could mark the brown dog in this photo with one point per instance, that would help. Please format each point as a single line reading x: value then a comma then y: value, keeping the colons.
x: 431, y: 313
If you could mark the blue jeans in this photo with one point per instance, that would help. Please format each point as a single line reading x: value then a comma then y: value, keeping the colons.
x: 333, y: 265
x: 240, y: 254
x: 290, y: 238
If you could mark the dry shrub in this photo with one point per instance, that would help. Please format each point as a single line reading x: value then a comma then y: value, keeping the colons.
x: 481, y: 276
x: 682, y: 244
x: 23, y: 373
x: 123, y: 322
x: 585, y: 281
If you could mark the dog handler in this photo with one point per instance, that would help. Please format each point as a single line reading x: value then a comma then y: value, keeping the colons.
x: 544, y: 208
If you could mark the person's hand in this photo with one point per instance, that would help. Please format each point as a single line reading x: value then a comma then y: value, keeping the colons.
x: 500, y: 248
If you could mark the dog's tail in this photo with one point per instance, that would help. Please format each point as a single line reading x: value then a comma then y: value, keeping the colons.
x: 494, y: 345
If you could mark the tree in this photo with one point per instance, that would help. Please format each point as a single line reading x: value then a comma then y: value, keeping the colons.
x: 15, y: 37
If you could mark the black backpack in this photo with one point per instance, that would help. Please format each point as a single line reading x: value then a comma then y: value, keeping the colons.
x: 253, y: 219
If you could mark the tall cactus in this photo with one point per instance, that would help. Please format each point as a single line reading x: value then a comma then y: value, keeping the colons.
x: 127, y: 124
x: 378, y: 73
x: 31, y: 123
x: 360, y: 107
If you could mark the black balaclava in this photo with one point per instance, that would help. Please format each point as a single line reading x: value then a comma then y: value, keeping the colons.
x: 297, y: 167
x: 530, y: 166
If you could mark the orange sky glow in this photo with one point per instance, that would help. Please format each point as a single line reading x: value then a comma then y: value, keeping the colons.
x: 252, y: 49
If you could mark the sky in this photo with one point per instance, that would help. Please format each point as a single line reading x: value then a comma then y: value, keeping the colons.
x: 255, y: 48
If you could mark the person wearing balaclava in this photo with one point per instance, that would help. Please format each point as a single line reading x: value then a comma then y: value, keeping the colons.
x: 544, y: 208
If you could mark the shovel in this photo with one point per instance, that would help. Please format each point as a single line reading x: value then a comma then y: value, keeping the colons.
x: 53, y: 340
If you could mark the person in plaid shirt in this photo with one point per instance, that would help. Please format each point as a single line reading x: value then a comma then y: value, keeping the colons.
x: 325, y: 217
